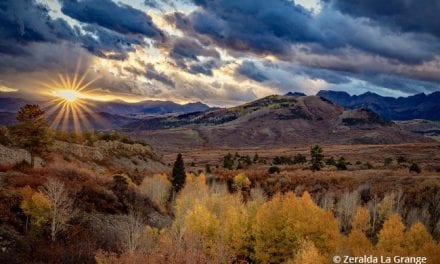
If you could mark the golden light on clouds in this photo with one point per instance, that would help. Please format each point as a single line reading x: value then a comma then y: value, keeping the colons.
x: 6, y: 89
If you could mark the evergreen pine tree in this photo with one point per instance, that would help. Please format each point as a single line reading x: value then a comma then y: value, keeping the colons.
x: 32, y: 131
x: 179, y: 175
x: 316, y: 158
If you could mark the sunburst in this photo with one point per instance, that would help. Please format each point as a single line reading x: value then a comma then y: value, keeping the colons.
x: 71, y: 107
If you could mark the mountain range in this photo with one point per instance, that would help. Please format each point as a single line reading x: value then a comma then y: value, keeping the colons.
x: 116, y: 113
x: 419, y: 106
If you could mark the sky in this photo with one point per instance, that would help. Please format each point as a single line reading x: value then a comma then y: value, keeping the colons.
x: 220, y: 52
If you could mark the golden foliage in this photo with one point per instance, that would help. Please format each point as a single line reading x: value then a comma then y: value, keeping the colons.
x: 361, y: 219
x: 358, y: 244
x: 391, y: 237
x: 284, y: 221
x: 309, y: 254
x: 241, y: 181
x: 36, y: 206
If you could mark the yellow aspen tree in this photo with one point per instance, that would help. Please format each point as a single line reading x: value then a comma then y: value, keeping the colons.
x: 391, y: 237
x: 318, y: 225
x: 284, y: 221
x: 36, y: 206
x: 387, y: 207
x: 194, y: 190
x: 309, y: 254
x: 416, y: 238
x: 273, y: 242
x: 241, y: 181
x: 358, y: 244
x: 201, y: 225
x: 157, y: 189
x: 236, y: 229
x: 361, y: 219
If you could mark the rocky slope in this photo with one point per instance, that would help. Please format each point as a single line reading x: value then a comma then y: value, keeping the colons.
x: 99, y: 157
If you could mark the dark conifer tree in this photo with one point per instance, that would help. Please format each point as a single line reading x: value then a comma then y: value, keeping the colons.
x: 316, y: 158
x: 179, y: 175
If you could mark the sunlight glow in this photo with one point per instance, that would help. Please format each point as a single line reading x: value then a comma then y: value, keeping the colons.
x: 67, y: 94
x: 71, y: 108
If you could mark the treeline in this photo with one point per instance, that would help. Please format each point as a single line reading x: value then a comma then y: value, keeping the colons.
x: 315, y: 161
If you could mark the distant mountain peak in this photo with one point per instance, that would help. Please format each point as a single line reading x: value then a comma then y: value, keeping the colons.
x: 295, y: 94
x: 418, y: 106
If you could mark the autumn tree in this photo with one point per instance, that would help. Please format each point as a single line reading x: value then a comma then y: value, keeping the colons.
x: 282, y: 223
x: 202, y: 225
x: 358, y: 243
x: 357, y: 240
x: 417, y: 238
x: 391, y: 237
x: 241, y: 182
x: 130, y: 231
x: 157, y: 189
x: 32, y: 131
x: 309, y: 254
x: 361, y: 219
x: 178, y: 175
x: 346, y: 208
x: 36, y: 207
x: 316, y: 158
x: 62, y: 206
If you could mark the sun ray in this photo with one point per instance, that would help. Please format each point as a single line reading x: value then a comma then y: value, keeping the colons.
x: 70, y: 109
x: 87, y: 84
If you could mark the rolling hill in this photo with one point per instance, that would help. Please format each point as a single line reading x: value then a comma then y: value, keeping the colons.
x: 271, y: 121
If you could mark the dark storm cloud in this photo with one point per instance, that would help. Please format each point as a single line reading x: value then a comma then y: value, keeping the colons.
x: 112, y: 34
x: 264, y: 72
x: 248, y: 69
x: 117, y: 17
x: 204, y: 68
x: 399, y: 83
x: 191, y: 49
x: 107, y: 43
x: 272, y: 27
x: 258, y: 26
x: 193, y: 57
x: 408, y: 15
x: 25, y: 21
x: 326, y: 75
x: 152, y: 73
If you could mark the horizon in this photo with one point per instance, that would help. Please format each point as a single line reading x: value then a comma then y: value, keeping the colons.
x: 15, y: 95
x: 197, y: 51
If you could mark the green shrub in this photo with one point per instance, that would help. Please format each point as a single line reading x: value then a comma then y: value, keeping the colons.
x: 387, y: 161
x: 330, y: 161
x: 415, y: 168
x: 299, y: 159
x: 274, y: 169
x: 341, y: 164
